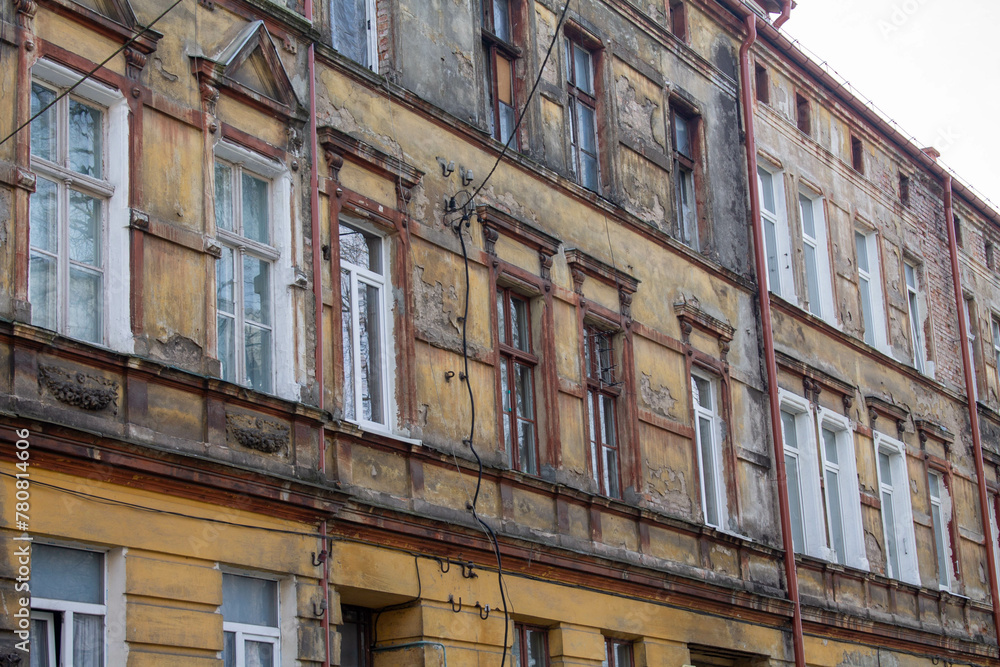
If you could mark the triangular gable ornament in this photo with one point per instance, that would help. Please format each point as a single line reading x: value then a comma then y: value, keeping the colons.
x: 114, y: 19
x: 249, y: 68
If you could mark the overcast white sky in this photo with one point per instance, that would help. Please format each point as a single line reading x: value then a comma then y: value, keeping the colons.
x: 932, y: 65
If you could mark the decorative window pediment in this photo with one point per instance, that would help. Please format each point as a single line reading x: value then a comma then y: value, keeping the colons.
x: 116, y: 20
x: 249, y: 68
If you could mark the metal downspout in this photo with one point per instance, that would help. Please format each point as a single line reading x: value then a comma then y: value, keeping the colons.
x: 764, y: 295
x: 970, y: 391
x: 786, y: 12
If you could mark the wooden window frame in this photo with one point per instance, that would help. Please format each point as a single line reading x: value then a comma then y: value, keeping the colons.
x: 602, y: 384
x: 521, y: 631
x: 696, y: 237
x: 498, y: 48
x: 510, y: 356
x: 762, y: 83
x: 574, y: 36
x: 678, y: 19
x: 610, y: 659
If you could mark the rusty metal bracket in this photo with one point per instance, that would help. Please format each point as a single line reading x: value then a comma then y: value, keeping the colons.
x: 467, y: 570
x: 451, y: 599
x: 319, y: 561
x: 483, y: 609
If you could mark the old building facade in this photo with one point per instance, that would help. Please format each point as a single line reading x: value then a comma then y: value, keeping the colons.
x: 394, y: 332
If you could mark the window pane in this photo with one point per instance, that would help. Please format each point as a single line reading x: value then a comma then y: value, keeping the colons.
x: 249, y: 600
x: 623, y: 655
x: 536, y: 648
x: 501, y: 321
x: 812, y: 277
x: 259, y: 654
x: 682, y: 136
x: 515, y: 650
x: 703, y: 394
x: 519, y: 324
x: 347, y: 335
x: 39, y: 637
x: 507, y: 121
x: 935, y: 487
x: 360, y: 249
x: 224, y: 279
x: 256, y: 290
x: 43, y: 129
x: 795, y: 503
x: 86, y: 304
x: 581, y: 63
x: 611, y: 472
x: 942, y: 556
x: 43, y: 292
x: 525, y: 412
x: 224, y: 196
x: 707, y: 439
x: 350, y: 29
x: 892, y: 552
x: 86, y: 130
x: 864, y: 289
x: 608, y: 419
x: 84, y: 228
x: 836, y: 515
x: 806, y: 209
x: 588, y: 131
x: 911, y: 278
x: 766, y: 184
x: 255, y: 209
x: 88, y: 640
x: 506, y: 405
x: 589, y: 177
x: 885, y: 468
x: 227, y: 347
x: 788, y: 432
x: 58, y: 573
x: 771, y: 246
x: 370, y: 342
x: 44, y: 225
x: 501, y: 19
x: 229, y: 649
x: 861, y: 245
x: 258, y: 357
x: 830, y: 444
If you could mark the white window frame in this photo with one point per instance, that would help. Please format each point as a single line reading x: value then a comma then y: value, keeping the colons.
x: 714, y: 449
x: 850, y: 495
x: 914, y: 311
x: 967, y: 306
x: 873, y: 279
x: 371, y: 17
x: 283, y: 357
x: 262, y: 633
x: 48, y: 608
x: 779, y: 219
x: 384, y: 283
x: 825, y: 309
x: 116, y: 329
x: 899, y: 488
x: 814, y: 532
x: 940, y: 520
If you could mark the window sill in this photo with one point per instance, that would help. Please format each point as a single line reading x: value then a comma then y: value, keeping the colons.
x: 361, y: 428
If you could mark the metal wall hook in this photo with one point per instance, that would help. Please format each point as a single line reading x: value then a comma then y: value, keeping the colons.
x: 319, y: 561
x: 451, y: 599
x: 444, y: 564
x: 318, y: 613
x: 483, y: 609
x: 467, y: 570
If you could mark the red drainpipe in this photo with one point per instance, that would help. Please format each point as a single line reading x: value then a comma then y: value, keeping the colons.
x: 317, y: 267
x: 970, y: 392
x: 772, y: 368
x: 786, y: 12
